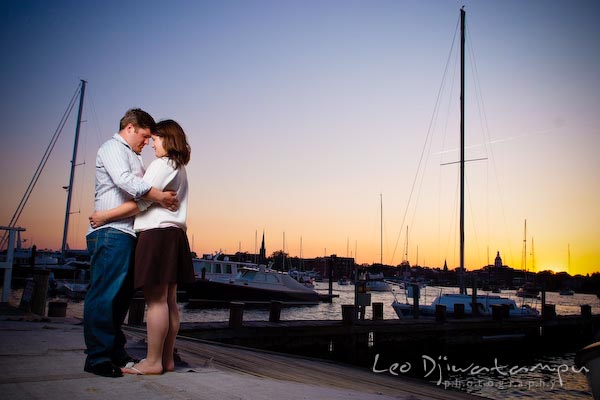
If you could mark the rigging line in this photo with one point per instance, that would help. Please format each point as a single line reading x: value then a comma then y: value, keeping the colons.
x: 483, y: 125
x: 45, y: 157
x: 446, y: 125
x: 487, y: 137
x: 40, y: 168
x: 475, y: 233
x: 82, y: 179
x: 427, y: 137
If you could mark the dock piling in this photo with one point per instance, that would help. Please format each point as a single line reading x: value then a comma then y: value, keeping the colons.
x: 57, y: 308
x: 136, y: 311
x: 416, y: 295
x: 459, y: 310
x: 236, y: 314
x: 40, y: 291
x: 275, y: 311
x: 586, y: 311
x: 348, y: 314
x: 440, y: 313
x: 378, y: 311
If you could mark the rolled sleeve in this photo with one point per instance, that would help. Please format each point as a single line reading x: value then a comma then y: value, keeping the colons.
x: 115, y: 158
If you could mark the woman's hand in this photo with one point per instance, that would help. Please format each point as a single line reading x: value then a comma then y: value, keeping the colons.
x: 97, y: 219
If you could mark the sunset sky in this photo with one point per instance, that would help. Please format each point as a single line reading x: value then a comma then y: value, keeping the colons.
x: 303, y: 116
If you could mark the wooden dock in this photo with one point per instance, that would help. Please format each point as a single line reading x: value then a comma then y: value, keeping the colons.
x: 357, y: 342
x: 305, y: 370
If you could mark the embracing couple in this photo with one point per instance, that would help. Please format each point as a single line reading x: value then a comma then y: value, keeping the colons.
x: 137, y: 239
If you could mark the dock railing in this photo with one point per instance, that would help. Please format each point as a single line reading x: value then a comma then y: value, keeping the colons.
x: 7, y: 265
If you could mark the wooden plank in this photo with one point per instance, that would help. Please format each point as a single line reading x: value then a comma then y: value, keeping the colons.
x: 270, y: 365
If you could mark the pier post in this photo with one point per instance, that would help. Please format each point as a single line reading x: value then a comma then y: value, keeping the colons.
x: 40, y: 291
x: 136, y: 311
x: 459, y: 310
x: 549, y: 311
x: 586, y: 311
x: 348, y: 314
x: 440, y: 313
x: 474, y: 309
x: 57, y: 308
x: 330, y: 284
x: 496, y: 312
x: 416, y: 295
x: 378, y: 311
x: 275, y: 311
x: 203, y: 276
x: 543, y: 298
x: 236, y: 314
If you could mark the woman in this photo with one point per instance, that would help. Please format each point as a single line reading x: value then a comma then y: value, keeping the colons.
x: 162, y: 255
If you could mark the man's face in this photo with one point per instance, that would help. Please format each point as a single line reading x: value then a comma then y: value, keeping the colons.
x: 139, y: 138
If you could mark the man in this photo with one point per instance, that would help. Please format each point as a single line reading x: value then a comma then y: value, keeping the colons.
x: 119, y: 171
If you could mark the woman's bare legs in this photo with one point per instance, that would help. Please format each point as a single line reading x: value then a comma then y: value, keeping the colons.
x: 169, y: 344
x: 158, y: 327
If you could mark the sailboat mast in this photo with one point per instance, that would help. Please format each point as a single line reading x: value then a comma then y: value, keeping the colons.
x: 381, y: 228
x: 72, y: 174
x: 406, y: 248
x: 462, y: 152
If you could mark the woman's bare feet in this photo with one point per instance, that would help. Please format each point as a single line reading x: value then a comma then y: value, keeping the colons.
x: 143, y: 368
x: 169, y: 366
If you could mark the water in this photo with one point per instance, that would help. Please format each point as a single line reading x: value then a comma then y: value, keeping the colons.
x: 534, y: 377
x: 565, y: 305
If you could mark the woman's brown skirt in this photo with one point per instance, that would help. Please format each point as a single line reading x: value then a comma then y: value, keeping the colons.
x: 162, y: 255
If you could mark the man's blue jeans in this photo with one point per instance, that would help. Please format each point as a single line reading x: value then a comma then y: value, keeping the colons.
x: 108, y: 297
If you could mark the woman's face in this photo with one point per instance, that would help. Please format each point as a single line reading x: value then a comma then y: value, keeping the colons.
x: 157, y: 145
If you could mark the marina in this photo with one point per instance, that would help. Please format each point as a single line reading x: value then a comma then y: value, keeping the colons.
x: 269, y: 328
x: 320, y: 331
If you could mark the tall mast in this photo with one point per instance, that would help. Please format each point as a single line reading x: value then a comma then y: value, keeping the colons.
x: 463, y: 289
x: 72, y: 175
x: 524, y: 256
x: 569, y: 259
x: 406, y: 248
x: 381, y: 228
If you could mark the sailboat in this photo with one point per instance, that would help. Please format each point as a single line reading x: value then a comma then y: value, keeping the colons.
x: 566, y: 291
x: 529, y: 289
x: 57, y: 262
x: 473, y: 304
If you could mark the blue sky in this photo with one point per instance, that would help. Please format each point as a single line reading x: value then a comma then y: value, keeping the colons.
x: 300, y: 114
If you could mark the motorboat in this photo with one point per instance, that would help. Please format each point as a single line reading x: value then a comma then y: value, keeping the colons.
x: 566, y: 292
x: 375, y: 282
x: 256, y: 285
x: 528, y: 290
x: 589, y: 357
x: 216, y: 266
x: 343, y: 281
x: 378, y: 286
x: 484, y: 306
x: 307, y: 278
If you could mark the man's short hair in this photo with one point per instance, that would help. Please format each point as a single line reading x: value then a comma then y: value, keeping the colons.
x: 138, y: 118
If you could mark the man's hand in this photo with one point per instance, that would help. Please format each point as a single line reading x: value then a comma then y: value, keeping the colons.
x: 167, y: 199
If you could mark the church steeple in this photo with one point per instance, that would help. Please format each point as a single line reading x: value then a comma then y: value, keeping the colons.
x: 262, y: 257
x: 498, y: 261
